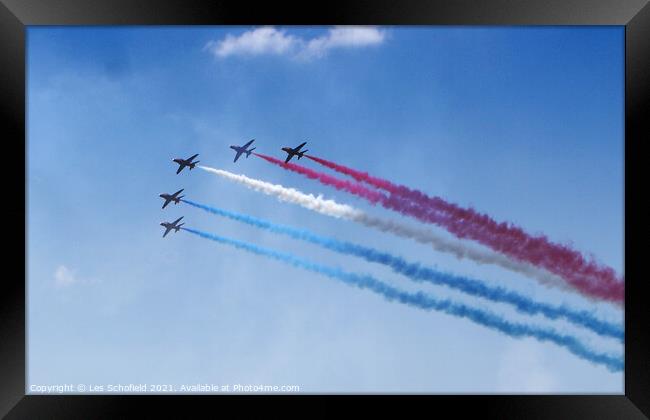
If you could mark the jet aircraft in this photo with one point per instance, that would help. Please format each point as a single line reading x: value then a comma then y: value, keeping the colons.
x: 182, y: 163
x: 171, y: 197
x: 294, y: 152
x: 243, y: 149
x: 169, y: 226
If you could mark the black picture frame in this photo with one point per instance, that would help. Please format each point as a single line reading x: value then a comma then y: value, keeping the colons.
x: 15, y: 15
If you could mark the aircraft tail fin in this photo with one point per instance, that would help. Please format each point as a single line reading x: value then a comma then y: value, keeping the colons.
x: 179, y: 226
x: 302, y: 153
x: 248, y: 153
x: 192, y: 165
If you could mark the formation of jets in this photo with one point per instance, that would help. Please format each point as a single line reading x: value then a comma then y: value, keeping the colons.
x: 190, y: 163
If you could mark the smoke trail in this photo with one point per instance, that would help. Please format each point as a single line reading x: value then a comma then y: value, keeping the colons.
x: 344, y: 211
x: 291, y: 195
x: 423, y: 301
x: 418, y: 273
x: 588, y: 277
x: 358, y: 175
x: 354, y: 188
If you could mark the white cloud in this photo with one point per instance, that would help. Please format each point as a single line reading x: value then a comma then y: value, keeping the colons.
x: 345, y: 37
x: 63, y: 276
x: 264, y: 40
x: 268, y: 40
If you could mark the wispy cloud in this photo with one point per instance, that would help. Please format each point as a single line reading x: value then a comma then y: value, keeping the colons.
x: 344, y: 37
x: 64, y: 277
x: 268, y: 40
x: 265, y: 40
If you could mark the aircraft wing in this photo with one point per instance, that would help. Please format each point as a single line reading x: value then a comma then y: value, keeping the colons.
x: 192, y: 157
x: 177, y: 220
x: 180, y: 168
x: 166, y: 231
x: 248, y: 144
x: 167, y: 201
x: 239, y: 152
x: 297, y: 149
x: 289, y: 156
x: 178, y: 192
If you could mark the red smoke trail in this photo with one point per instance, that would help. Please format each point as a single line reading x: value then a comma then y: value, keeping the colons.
x: 589, y: 277
x: 358, y: 175
x: 343, y: 185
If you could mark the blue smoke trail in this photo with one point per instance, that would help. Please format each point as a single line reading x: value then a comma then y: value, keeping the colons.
x: 418, y: 273
x: 422, y: 301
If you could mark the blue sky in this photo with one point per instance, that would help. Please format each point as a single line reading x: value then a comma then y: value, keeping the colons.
x: 525, y: 124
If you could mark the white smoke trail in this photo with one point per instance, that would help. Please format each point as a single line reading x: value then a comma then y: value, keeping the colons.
x: 331, y: 208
